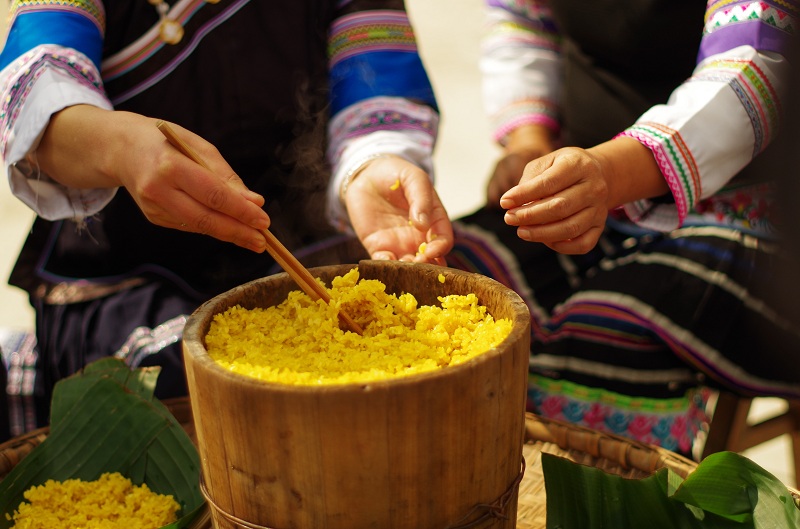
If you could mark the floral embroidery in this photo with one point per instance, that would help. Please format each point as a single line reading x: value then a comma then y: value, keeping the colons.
x: 670, y: 423
x: 751, y: 208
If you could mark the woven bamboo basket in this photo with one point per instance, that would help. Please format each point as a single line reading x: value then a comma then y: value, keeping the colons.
x: 604, y: 451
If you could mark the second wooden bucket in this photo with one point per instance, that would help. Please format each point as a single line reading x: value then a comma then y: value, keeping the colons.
x: 431, y: 451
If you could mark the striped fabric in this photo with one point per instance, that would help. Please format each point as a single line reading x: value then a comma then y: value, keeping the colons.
x: 370, y: 31
x: 526, y: 22
x: 374, y: 53
x: 526, y: 28
x: 122, y: 71
x: 381, y: 114
x: 19, y: 356
x: 149, y: 43
x: 523, y: 112
x: 676, y: 163
x: 78, y: 25
x: 91, y: 9
x: 67, y: 62
x: 754, y: 90
x: 628, y: 338
x: 761, y: 24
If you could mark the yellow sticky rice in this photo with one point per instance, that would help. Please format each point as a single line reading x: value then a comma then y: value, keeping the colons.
x: 299, y: 341
x: 110, y: 502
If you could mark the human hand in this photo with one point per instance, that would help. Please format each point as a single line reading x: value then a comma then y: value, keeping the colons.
x: 561, y: 201
x: 84, y: 146
x: 233, y: 180
x: 524, y: 144
x: 394, y: 210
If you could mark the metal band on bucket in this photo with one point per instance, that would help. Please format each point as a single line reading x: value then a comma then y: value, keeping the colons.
x: 496, y: 509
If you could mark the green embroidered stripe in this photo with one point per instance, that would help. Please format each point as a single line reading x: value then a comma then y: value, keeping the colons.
x: 585, y: 393
x: 679, y: 160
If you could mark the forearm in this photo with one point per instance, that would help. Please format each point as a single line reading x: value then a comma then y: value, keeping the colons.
x: 521, y: 67
x: 531, y: 136
x: 81, y: 145
x: 382, y: 101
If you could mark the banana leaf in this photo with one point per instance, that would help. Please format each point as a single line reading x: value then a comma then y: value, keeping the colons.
x: 725, y: 491
x: 105, y: 419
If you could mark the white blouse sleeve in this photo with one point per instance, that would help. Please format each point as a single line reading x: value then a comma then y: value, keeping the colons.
x: 35, y: 86
x: 725, y: 114
x: 520, y: 65
x: 409, y: 134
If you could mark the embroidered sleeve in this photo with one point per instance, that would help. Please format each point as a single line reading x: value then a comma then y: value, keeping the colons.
x: 381, y: 98
x: 50, y: 61
x: 520, y: 64
x: 725, y: 114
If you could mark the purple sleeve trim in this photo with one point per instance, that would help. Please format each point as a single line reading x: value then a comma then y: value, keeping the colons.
x: 755, y: 34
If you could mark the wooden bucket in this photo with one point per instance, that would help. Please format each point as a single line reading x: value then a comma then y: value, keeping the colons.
x: 435, y: 450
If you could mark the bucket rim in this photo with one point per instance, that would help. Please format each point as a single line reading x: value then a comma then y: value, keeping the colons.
x: 195, y: 331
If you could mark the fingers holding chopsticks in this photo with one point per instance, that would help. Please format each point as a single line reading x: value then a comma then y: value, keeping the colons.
x: 199, y: 192
x: 85, y: 147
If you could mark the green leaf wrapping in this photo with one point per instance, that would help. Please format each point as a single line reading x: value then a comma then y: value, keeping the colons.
x: 105, y: 419
x: 725, y: 491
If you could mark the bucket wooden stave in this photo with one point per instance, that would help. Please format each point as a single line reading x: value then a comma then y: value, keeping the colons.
x: 425, y: 451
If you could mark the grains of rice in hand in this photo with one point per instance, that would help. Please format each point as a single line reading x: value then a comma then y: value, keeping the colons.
x: 110, y: 502
x: 396, y: 185
x: 299, y: 341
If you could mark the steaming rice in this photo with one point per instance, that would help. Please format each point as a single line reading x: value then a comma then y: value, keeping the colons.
x: 299, y: 341
x: 111, y: 502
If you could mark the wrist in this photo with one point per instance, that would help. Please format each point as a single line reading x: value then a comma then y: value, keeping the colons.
x: 78, y: 147
x: 530, y: 136
x: 354, y: 171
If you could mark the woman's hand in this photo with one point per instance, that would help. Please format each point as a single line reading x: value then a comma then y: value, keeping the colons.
x: 564, y: 197
x: 86, y: 147
x: 524, y: 144
x: 396, y: 212
x: 561, y: 201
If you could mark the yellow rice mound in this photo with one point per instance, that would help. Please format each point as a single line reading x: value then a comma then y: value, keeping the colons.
x: 111, y: 502
x: 299, y: 341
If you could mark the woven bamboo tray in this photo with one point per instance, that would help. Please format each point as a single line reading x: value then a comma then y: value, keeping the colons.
x: 608, y: 452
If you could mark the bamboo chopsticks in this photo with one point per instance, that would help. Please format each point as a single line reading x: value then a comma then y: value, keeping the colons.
x: 278, y: 251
